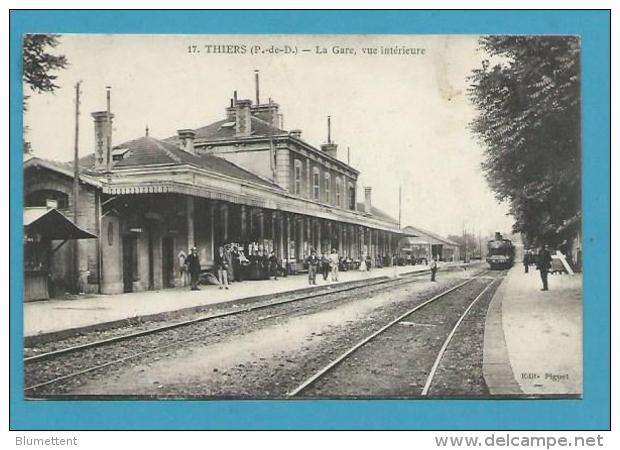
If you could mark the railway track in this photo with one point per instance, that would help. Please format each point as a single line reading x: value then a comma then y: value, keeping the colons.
x: 99, y: 346
x: 328, y: 368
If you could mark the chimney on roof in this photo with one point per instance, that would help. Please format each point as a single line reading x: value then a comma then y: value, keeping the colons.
x: 187, y: 136
x: 367, y: 200
x: 243, y: 117
x: 268, y: 112
x: 103, y: 138
x: 230, y: 111
x: 329, y: 129
x: 330, y: 148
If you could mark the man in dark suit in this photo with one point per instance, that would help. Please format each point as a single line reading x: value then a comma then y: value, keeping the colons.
x: 313, y: 262
x: 193, y: 267
x: 543, y: 264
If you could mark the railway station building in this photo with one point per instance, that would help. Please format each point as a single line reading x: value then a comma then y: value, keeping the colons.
x: 241, y: 179
x: 424, y: 245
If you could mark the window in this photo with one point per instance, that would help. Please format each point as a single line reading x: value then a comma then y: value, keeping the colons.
x: 338, y: 193
x: 47, y: 197
x: 351, y: 196
x: 328, y: 182
x: 316, y: 184
x: 297, y: 177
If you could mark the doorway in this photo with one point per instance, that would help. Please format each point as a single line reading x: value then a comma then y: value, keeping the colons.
x: 167, y: 263
x: 130, y: 259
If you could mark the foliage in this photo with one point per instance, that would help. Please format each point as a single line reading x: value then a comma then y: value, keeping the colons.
x: 528, y: 103
x: 39, y: 64
x: 39, y: 67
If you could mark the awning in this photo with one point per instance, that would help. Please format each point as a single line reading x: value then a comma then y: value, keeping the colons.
x: 51, y: 224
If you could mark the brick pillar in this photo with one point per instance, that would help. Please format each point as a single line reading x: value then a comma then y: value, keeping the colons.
x: 330, y: 236
x: 282, y: 241
x: 244, y: 226
x: 288, y: 235
x: 309, y: 233
x: 189, y: 216
x: 361, y: 241
x: 224, y: 211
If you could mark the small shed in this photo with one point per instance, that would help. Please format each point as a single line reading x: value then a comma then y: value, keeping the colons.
x: 45, y: 231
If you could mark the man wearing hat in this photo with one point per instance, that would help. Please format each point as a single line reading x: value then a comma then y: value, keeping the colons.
x: 193, y: 267
x: 313, y: 262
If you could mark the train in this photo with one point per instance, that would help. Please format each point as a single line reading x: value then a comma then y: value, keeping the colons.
x: 501, y: 253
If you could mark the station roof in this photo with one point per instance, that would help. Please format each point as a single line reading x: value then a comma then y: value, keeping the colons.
x: 377, y: 213
x: 51, y: 224
x: 425, y: 237
x: 147, y: 150
x: 225, y: 129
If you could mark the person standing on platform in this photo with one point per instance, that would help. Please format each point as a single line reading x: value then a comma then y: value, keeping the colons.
x: 324, y: 266
x: 273, y: 265
x: 193, y: 267
x: 236, y: 254
x: 433, y: 267
x: 543, y: 264
x: 313, y: 262
x: 334, y: 260
x: 526, y: 261
x: 222, y: 264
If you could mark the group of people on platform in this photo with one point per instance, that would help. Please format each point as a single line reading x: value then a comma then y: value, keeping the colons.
x: 232, y: 264
x: 326, y: 264
x: 546, y: 263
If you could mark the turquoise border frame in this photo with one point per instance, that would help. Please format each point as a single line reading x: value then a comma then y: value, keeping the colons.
x: 591, y: 413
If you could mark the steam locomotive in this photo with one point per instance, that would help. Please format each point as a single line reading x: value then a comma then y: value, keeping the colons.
x: 501, y: 253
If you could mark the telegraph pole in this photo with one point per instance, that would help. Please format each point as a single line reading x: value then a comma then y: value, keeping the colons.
x: 108, y: 131
x: 400, y: 205
x: 76, y: 185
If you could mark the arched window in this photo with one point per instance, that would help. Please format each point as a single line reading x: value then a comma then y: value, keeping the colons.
x: 338, y: 192
x: 297, y: 177
x: 328, y: 187
x: 316, y: 184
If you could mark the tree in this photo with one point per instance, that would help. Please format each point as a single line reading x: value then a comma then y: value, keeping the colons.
x: 39, y: 66
x: 528, y: 120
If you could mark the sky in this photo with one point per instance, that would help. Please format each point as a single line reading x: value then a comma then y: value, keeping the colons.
x: 404, y: 116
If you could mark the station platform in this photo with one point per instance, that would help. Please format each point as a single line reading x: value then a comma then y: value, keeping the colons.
x: 533, y: 338
x: 86, y: 312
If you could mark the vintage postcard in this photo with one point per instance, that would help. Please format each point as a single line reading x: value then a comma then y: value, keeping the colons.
x: 302, y: 216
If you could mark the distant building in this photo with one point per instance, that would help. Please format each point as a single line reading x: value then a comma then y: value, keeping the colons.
x: 240, y: 179
x: 423, y: 244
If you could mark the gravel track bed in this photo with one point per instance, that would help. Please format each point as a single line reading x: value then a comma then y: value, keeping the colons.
x: 134, y: 325
x: 217, y: 330
x: 459, y: 373
x: 396, y: 363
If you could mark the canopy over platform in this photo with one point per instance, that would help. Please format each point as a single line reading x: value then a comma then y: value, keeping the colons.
x: 51, y: 224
